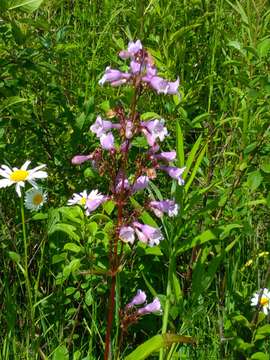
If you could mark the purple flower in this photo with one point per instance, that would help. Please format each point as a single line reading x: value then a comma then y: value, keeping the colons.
x: 80, y: 159
x: 174, y: 172
x: 153, y: 130
x: 166, y: 156
x: 112, y: 76
x: 163, y: 86
x: 127, y: 234
x: 135, y: 67
x: 129, y: 128
x: 133, y: 48
x: 138, y: 299
x: 141, y: 183
x: 94, y: 200
x: 107, y: 141
x: 120, y: 184
x: 164, y: 206
x: 148, y: 234
x: 101, y: 126
x: 154, y: 306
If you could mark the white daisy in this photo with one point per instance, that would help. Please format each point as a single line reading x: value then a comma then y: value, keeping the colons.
x: 34, y: 199
x: 20, y: 176
x: 79, y: 199
x: 262, y: 298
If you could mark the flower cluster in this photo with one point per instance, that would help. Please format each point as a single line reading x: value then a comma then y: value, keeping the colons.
x: 141, y: 69
x: 132, y: 312
x: 261, y: 299
x: 116, y: 138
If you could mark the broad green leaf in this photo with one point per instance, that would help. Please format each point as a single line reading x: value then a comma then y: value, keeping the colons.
x: 109, y: 206
x: 155, y: 344
x: 242, y: 320
x: 254, y: 180
x: 61, y: 353
x: 262, y: 332
x: 70, y: 230
x: 25, y: 5
x: 72, y: 247
x: 181, y: 32
x: 259, y: 356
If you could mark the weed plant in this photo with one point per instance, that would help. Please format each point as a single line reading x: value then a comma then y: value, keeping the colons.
x: 51, y: 60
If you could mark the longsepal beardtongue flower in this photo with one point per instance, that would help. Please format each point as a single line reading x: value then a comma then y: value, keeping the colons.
x: 19, y: 177
x: 174, y: 172
x: 139, y: 299
x: 261, y: 299
x: 147, y: 234
x: 165, y: 206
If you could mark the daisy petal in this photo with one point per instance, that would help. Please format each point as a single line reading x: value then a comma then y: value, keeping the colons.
x: 4, y: 173
x: 18, y: 189
x: 25, y: 165
x: 5, y: 183
x: 7, y: 169
x: 37, y: 175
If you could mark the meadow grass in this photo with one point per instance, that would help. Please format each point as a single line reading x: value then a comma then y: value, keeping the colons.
x: 217, y: 253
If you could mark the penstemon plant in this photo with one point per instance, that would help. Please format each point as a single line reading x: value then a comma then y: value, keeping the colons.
x: 128, y: 178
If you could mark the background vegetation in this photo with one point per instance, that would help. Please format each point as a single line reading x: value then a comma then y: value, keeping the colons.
x: 217, y: 253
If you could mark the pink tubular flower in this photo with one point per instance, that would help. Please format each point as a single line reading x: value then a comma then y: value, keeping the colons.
x: 148, y: 234
x: 113, y: 76
x: 164, y: 206
x: 135, y: 67
x: 127, y: 234
x: 166, y: 156
x: 138, y: 299
x: 153, y: 307
x: 154, y: 130
x: 101, y: 126
x: 107, y: 141
x: 141, y: 183
x: 163, y: 86
x: 174, y: 172
x: 80, y: 159
x: 133, y: 48
x: 94, y: 200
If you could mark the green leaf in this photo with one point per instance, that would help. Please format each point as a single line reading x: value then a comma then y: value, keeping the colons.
x: 61, y: 353
x: 88, y: 297
x: 242, y: 320
x: 254, y: 180
x: 263, y: 47
x: 149, y: 115
x: 14, y: 256
x: 181, y: 32
x: 155, y: 344
x: 25, y: 5
x: 191, y: 156
x: 66, y: 228
x: 180, y: 145
x: 109, y: 206
x: 195, y: 169
x: 10, y: 101
x: 262, y: 332
x: 259, y: 356
x: 198, y: 240
x: 72, y: 247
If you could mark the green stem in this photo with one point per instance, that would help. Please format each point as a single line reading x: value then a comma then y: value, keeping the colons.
x: 165, y: 318
x: 26, y: 274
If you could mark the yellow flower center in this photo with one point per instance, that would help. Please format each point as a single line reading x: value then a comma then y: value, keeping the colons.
x: 37, y: 199
x: 264, y: 301
x: 83, y: 201
x: 19, y: 175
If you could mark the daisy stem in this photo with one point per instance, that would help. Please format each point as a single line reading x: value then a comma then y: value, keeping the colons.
x: 26, y: 274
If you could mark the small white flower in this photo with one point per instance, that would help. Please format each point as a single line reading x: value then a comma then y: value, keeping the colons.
x: 79, y: 199
x: 262, y: 298
x: 34, y: 199
x: 20, y: 176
